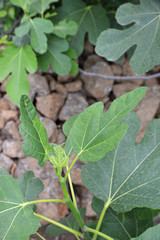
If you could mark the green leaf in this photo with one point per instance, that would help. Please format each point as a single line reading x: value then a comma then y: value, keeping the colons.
x: 72, y: 54
x: 67, y: 126
x: 37, y: 28
x: 30, y: 185
x: 17, y: 61
x: 94, y: 133
x: 3, y: 13
x: 21, y: 41
x: 11, y: 12
x: 20, y: 3
x: 64, y: 28
x: 60, y: 159
x: 123, y: 226
x: 144, y: 19
x: 151, y: 233
x: 128, y: 176
x: 36, y: 142
x: 90, y: 19
x: 60, y: 62
x: 69, y: 221
x: 17, y: 219
x: 40, y: 6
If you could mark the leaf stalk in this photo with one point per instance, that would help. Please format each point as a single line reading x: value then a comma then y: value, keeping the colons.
x: 101, y: 219
x: 59, y: 225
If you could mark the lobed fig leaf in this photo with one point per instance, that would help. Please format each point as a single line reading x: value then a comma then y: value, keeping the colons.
x: 94, y: 133
x: 143, y: 33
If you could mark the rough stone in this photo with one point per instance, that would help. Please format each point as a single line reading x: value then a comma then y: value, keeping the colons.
x: 60, y: 137
x: 61, y: 89
x: 85, y: 201
x: 11, y: 130
x: 74, y: 86
x: 151, y: 82
x: 117, y: 69
x: 4, y: 105
x: 3, y: 85
x: 95, y: 86
x: 12, y: 106
x: 0, y: 145
x: 39, y: 85
x: 64, y: 79
x: 50, y: 126
x: 122, y: 88
x: 50, y: 105
x: 12, y: 148
x: 146, y: 111
x: 88, y: 48
x: 52, y: 188
x: 75, y: 104
x: 7, y: 115
x: 127, y: 71
x: 91, y: 60
x: 2, y: 122
x: 52, y: 82
x: 5, y: 162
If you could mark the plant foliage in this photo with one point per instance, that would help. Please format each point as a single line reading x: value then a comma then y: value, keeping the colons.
x: 56, y: 30
x: 25, y: 59
x: 90, y: 19
x: 143, y: 32
x: 17, y: 218
x: 32, y: 129
x: 94, y: 133
x: 125, y: 182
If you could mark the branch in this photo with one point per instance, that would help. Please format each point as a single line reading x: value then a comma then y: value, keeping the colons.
x: 119, y: 77
x: 12, y: 27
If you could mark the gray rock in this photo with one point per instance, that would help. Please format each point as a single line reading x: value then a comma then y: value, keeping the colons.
x: 75, y: 104
x: 52, y: 189
x: 127, y: 71
x: 7, y: 115
x: 146, y: 110
x: 60, y: 137
x: 122, y: 88
x: 0, y: 145
x: 92, y: 60
x: 86, y: 200
x: 1, y: 123
x: 5, y: 162
x: 12, y: 148
x: 11, y: 130
x: 50, y: 105
x: 95, y: 86
x: 4, y: 105
x: 12, y: 106
x: 74, y: 86
x: 50, y: 126
x: 39, y: 85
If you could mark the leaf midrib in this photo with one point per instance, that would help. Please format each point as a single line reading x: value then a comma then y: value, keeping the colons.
x: 105, y: 127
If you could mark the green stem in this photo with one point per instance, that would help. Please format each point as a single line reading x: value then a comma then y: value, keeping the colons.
x: 101, y: 218
x: 68, y: 201
x: 69, y: 169
x: 44, y: 200
x: 70, y: 204
x: 98, y: 233
x: 72, y: 190
x: 39, y: 235
x: 59, y: 225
